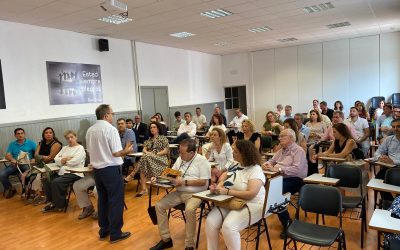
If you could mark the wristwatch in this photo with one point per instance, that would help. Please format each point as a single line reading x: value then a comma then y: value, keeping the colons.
x: 280, y: 170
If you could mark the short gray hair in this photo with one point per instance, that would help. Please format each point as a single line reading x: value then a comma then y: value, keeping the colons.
x: 291, y: 133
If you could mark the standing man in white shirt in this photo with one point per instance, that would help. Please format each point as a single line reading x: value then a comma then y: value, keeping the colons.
x: 361, y: 127
x: 186, y: 129
x: 199, y: 119
x: 236, y: 124
x: 105, y: 151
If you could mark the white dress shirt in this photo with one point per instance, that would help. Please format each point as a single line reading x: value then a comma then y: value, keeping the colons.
x: 102, y: 140
x: 237, y: 122
x: 190, y: 129
x: 78, y: 155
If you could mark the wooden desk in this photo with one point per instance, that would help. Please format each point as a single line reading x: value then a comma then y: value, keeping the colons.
x: 167, y: 187
x: 82, y: 170
x: 378, y: 185
x: 320, y: 179
x: 171, y: 137
x: 4, y: 161
x: 325, y: 161
x: 216, y: 198
x: 136, y: 154
x: 383, y: 222
x: 268, y: 155
x: 270, y: 174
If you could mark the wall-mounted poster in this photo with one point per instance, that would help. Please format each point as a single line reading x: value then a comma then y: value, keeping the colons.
x: 74, y: 83
x: 2, y: 97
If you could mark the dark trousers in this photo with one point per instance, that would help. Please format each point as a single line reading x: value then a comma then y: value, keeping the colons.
x: 381, y: 175
x: 230, y: 136
x: 56, y: 189
x: 110, y: 205
x: 10, y: 170
x: 127, y: 163
x: 180, y: 138
x: 292, y: 185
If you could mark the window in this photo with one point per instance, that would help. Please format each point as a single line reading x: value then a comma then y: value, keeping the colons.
x: 232, y: 98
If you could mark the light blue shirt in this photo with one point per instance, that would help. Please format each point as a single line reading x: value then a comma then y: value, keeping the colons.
x: 128, y: 136
x: 28, y: 146
x: 389, y: 147
x: 305, y: 130
x: 284, y: 117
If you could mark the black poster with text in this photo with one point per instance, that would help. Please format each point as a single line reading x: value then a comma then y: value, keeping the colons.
x: 74, y: 83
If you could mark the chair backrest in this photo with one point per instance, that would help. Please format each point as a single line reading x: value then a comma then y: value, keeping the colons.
x: 376, y: 100
x: 396, y: 99
x: 392, y: 176
x: 349, y: 176
x: 320, y: 199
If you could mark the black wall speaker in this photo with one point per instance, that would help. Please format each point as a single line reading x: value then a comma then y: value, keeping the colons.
x: 103, y: 45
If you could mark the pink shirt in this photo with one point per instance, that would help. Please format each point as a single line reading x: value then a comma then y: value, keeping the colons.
x: 292, y: 160
x: 328, y: 135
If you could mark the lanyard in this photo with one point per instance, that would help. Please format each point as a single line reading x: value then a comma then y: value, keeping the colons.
x: 190, y: 163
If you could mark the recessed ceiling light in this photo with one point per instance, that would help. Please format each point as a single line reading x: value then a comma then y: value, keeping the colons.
x: 223, y: 44
x: 216, y: 13
x: 182, y: 34
x: 116, y: 19
x: 318, y: 7
x: 285, y: 40
x: 338, y: 25
x: 260, y: 29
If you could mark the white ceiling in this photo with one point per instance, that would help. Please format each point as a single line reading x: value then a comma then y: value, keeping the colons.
x: 154, y: 20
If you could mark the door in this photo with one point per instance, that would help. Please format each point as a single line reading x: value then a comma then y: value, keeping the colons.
x: 154, y: 99
x: 235, y: 97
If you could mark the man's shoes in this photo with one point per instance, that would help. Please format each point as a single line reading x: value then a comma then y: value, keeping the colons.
x: 163, y: 245
x: 123, y: 236
x: 87, y: 211
x: 10, y: 193
x: 48, y: 208
x: 103, y: 236
x: 189, y: 248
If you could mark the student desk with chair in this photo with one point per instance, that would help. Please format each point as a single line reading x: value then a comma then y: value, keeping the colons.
x: 383, y: 222
x: 379, y: 185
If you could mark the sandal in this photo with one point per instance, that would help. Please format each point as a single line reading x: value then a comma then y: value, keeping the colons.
x: 129, y: 178
x: 142, y: 193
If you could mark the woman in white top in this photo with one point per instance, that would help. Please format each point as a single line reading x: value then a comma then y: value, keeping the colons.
x: 247, y: 183
x: 216, y: 122
x: 317, y: 127
x: 73, y: 155
x: 378, y: 111
x: 220, y: 152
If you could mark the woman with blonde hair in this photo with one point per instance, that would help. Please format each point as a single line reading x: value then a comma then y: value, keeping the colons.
x: 249, y: 133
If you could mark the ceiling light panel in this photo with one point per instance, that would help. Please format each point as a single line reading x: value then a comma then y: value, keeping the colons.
x: 260, y: 29
x: 116, y: 19
x: 182, y: 34
x: 216, y: 13
x: 338, y: 25
x: 318, y: 7
x: 285, y: 40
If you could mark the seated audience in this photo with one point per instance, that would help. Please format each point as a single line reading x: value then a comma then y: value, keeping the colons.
x: 291, y: 162
x: 300, y: 138
x: 279, y: 111
x: 178, y: 120
x: 82, y: 197
x: 246, y: 183
x: 70, y: 156
x: 154, y: 159
x: 186, y: 129
x: 315, y: 106
x: 196, y: 172
x: 140, y: 129
x: 288, y: 113
x: 164, y: 128
x: 13, y: 154
x: 338, y: 117
x: 271, y: 128
x: 338, y: 106
x: 45, y: 152
x: 249, y: 133
x: 128, y: 139
x: 325, y: 110
x: 302, y: 128
x: 379, y: 110
x: 362, y: 112
x: 236, y: 125
x: 317, y: 127
x: 216, y: 122
x: 389, y: 152
x: 361, y: 127
x: 220, y: 152
x: 217, y: 110
x: 129, y: 123
x: 160, y: 119
x: 199, y: 119
x: 383, y: 124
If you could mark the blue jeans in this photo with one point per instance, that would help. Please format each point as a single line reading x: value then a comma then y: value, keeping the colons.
x: 10, y: 170
x: 110, y: 189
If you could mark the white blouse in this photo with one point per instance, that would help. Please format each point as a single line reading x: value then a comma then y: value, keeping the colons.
x: 78, y: 155
x: 223, y: 158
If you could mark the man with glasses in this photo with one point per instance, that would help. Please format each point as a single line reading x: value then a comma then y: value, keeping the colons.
x: 14, y: 151
x: 105, y: 151
x: 140, y: 129
x: 288, y: 113
x: 291, y: 162
x: 298, y: 117
x: 389, y: 152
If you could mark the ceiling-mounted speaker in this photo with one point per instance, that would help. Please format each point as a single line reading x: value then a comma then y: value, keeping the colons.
x: 103, y: 45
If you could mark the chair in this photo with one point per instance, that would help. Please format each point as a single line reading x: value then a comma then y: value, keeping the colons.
x: 323, y: 200
x: 392, y: 244
x: 351, y: 177
x: 396, y: 98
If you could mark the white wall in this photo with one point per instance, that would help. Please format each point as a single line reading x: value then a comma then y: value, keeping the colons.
x: 346, y: 70
x: 24, y: 50
x: 192, y: 77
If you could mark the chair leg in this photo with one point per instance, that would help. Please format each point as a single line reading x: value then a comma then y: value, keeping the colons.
x: 285, y: 242
x: 295, y: 245
x: 202, y: 205
x: 267, y: 232
x: 344, y: 240
x: 323, y: 219
x: 258, y: 234
x: 183, y: 215
x: 126, y: 207
x: 67, y: 200
x: 317, y: 219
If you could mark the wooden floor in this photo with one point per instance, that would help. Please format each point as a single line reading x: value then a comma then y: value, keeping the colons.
x: 25, y: 226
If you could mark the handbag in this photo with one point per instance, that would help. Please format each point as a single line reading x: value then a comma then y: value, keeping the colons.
x: 152, y: 214
x: 232, y: 204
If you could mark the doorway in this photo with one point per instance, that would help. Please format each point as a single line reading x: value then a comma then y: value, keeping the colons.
x: 154, y: 99
x: 235, y: 97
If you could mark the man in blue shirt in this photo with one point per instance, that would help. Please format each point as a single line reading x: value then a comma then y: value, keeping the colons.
x: 128, y: 138
x: 299, y: 120
x: 288, y: 113
x: 14, y: 151
x: 389, y: 152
